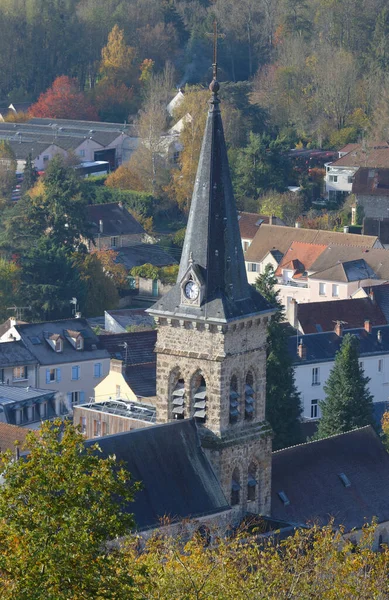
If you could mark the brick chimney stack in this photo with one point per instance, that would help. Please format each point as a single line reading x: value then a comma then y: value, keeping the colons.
x: 302, y: 350
x: 339, y: 328
x: 368, y: 326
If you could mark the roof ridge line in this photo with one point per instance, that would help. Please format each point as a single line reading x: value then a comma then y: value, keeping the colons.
x: 323, y: 439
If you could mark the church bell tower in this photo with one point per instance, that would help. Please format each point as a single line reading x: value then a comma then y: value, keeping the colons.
x: 211, y: 344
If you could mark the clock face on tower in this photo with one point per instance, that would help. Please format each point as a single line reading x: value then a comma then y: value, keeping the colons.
x: 192, y: 290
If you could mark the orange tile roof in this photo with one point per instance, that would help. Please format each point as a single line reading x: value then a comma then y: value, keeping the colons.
x: 300, y: 256
x: 9, y: 434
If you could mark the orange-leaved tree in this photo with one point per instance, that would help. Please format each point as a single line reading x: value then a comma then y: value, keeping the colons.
x: 63, y: 100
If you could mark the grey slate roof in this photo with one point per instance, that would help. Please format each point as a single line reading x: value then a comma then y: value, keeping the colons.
x: 116, y: 220
x: 378, y: 227
x: 309, y: 476
x: 329, y: 261
x: 140, y: 254
x: 14, y: 393
x: 213, y: 239
x: 322, y: 347
x: 352, y: 270
x: 178, y: 481
x: 46, y: 355
x: 142, y: 379
x: 127, y: 317
x: 140, y: 346
x: 14, y: 354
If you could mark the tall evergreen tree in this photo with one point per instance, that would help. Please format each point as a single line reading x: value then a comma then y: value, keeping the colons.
x: 283, y: 404
x: 30, y: 175
x: 348, y: 403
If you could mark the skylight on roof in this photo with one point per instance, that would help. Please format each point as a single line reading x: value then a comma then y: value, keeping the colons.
x: 35, y: 340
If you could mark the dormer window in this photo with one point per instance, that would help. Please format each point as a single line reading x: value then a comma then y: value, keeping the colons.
x: 58, y: 345
x: 79, y: 342
x: 55, y: 341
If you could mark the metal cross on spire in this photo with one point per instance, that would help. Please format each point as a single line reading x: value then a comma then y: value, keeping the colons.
x: 215, y: 36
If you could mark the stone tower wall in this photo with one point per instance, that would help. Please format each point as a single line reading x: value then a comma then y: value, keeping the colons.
x: 188, y: 349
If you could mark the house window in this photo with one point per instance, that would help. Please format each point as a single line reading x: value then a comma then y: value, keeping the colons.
x: 315, y: 376
x: 53, y: 375
x: 75, y: 373
x: 58, y: 345
x: 79, y: 342
x: 314, y: 408
x: 104, y: 428
x: 246, y: 246
x: 43, y: 411
x: 97, y: 370
x: 114, y: 241
x: 253, y: 267
x: 380, y: 365
x: 19, y: 373
x: 76, y: 398
x: 350, y: 179
x: 322, y: 289
x: 81, y: 153
x: 45, y: 157
x: 96, y: 428
x: 83, y: 424
x: 176, y: 157
x: 335, y: 291
x: 333, y: 178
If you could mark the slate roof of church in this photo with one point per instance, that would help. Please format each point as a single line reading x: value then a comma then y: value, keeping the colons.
x: 213, y: 239
x: 309, y: 476
x: 178, y: 480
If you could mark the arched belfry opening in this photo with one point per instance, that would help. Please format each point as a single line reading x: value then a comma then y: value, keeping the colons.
x: 252, y: 482
x: 235, y: 487
x: 234, y: 400
x: 177, y: 397
x: 199, y: 400
x: 249, y: 397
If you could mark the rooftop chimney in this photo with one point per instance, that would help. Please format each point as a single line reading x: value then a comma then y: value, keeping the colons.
x: 101, y: 226
x: 117, y: 366
x: 291, y: 313
x: 272, y: 220
x: 339, y: 328
x: 367, y: 325
x: 302, y: 350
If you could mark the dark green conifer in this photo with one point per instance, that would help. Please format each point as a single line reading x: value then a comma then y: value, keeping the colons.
x: 348, y: 403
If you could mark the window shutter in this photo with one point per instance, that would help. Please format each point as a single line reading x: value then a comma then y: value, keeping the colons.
x: 69, y: 400
x: 47, y: 375
x: 58, y: 374
x: 26, y: 372
x: 82, y: 397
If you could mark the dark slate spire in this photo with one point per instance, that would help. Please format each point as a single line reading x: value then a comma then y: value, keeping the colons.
x: 212, y: 243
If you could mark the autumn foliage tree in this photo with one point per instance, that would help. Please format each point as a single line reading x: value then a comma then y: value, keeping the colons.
x: 63, y: 100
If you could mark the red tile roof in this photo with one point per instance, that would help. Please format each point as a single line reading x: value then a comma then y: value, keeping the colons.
x: 300, y: 257
x: 373, y: 157
x: 9, y: 434
x: 321, y: 316
x: 249, y: 223
x: 371, y: 182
